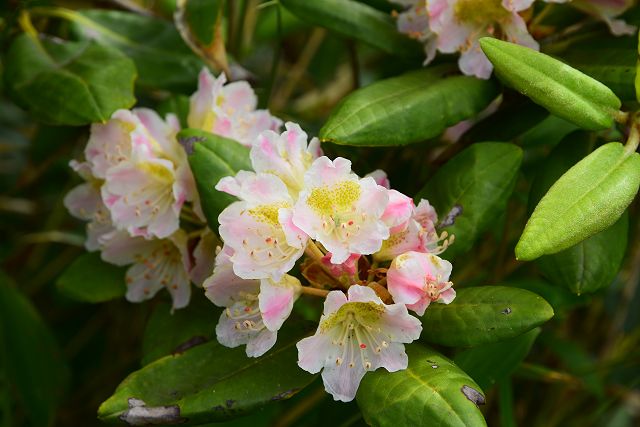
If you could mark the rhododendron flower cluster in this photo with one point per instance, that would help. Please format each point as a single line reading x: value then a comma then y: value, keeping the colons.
x: 451, y: 26
x: 139, y: 194
x: 368, y: 249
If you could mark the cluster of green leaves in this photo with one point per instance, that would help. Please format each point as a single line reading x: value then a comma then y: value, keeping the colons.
x: 518, y: 161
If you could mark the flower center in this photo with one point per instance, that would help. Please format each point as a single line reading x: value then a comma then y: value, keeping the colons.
x: 339, y: 197
x: 356, y: 340
x: 267, y: 213
x: 480, y: 12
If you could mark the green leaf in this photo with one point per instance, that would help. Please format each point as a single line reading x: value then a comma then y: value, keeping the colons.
x: 431, y: 391
x: 563, y: 90
x: 483, y: 315
x: 356, y: 20
x: 561, y: 299
x: 476, y: 184
x: 587, y: 199
x: 69, y: 83
x: 161, y: 57
x: 170, y: 333
x: 212, y: 157
x: 410, y: 108
x: 202, y: 16
x: 495, y: 362
x: 210, y: 382
x: 90, y: 279
x: 594, y: 262
x: 33, y: 359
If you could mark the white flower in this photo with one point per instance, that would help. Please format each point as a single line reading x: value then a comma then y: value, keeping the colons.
x: 265, y: 242
x: 356, y: 335
x: 228, y: 110
x: 340, y: 210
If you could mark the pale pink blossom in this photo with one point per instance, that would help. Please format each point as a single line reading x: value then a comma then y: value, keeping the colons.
x: 459, y: 24
x: 286, y: 155
x: 414, y: 22
x: 241, y: 322
x: 356, y: 335
x: 417, y: 279
x: 259, y: 228
x: 340, y: 210
x: 380, y: 177
x: 348, y: 268
x: 276, y: 300
x: 157, y: 264
x: 145, y: 196
x: 146, y: 174
x: 228, y: 110
x: 398, y: 211
x: 419, y: 235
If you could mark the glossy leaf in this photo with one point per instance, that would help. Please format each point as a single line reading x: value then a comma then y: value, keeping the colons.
x: 483, y: 315
x: 491, y: 363
x: 587, y: 199
x: 210, y: 382
x: 31, y: 355
x: 561, y: 299
x: 410, y: 108
x: 69, y: 83
x: 563, y: 90
x: 211, y: 158
x: 90, y: 279
x: 431, y: 391
x: 475, y: 184
x: 171, y: 333
x: 161, y: 57
x: 359, y: 21
x: 594, y: 262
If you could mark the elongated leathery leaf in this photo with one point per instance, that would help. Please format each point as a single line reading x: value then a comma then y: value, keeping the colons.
x: 209, y: 383
x: 357, y: 20
x: 163, y: 60
x: 90, y: 279
x: 594, y: 262
x: 563, y: 90
x: 494, y: 362
x: 410, y: 108
x: 69, y: 83
x: 472, y: 189
x: 212, y: 157
x: 587, y: 199
x: 484, y: 314
x: 431, y: 391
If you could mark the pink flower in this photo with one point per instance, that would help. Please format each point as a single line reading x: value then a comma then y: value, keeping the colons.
x: 340, y: 210
x: 417, y: 279
x: 419, y: 234
x: 348, y: 268
x: 285, y: 155
x: 414, y: 22
x: 265, y: 242
x: 255, y: 309
x: 398, y: 211
x: 146, y: 174
x: 380, y: 177
x: 459, y: 24
x: 157, y: 264
x: 356, y: 335
x: 228, y: 110
x: 84, y: 202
